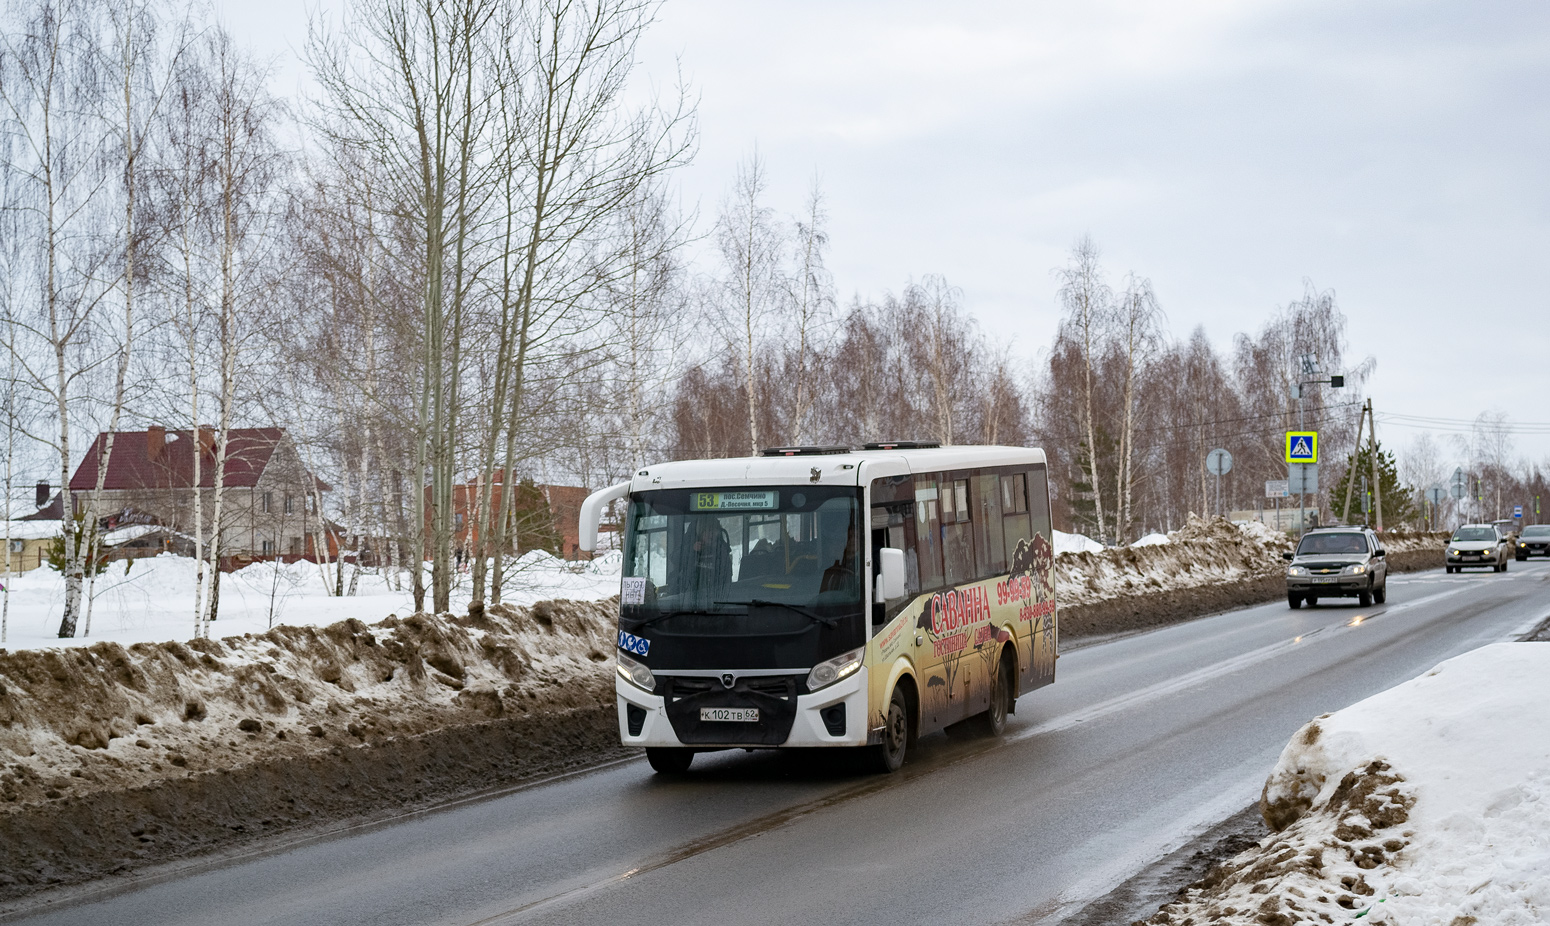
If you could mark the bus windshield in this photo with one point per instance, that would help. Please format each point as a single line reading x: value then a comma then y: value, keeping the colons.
x: 720, y: 550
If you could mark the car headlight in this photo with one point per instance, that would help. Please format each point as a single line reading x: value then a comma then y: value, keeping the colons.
x: 1296, y: 570
x: 636, y: 673
x: 1355, y: 570
x: 1454, y: 553
x: 830, y: 671
x: 1522, y: 544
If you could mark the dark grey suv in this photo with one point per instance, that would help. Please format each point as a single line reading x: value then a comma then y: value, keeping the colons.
x: 1337, y: 562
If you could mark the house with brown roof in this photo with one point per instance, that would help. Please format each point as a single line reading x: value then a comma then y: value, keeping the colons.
x: 269, y: 497
x: 546, y: 516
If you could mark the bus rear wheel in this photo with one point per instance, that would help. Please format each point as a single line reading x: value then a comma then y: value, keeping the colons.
x: 669, y: 760
x: 992, y: 720
x: 898, y: 733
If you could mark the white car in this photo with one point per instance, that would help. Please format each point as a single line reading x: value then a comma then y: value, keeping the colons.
x: 1479, y: 545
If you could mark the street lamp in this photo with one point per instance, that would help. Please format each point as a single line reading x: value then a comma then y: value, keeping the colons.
x: 1311, y: 373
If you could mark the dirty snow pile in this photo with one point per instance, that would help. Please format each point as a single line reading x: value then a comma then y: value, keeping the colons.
x: 154, y: 599
x: 76, y: 720
x: 1200, y: 553
x: 1427, y: 804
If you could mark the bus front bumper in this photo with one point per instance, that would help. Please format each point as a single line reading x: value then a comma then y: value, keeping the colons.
x: 808, y: 729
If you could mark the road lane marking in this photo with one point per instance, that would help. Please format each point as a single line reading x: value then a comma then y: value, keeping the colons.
x: 1215, y: 670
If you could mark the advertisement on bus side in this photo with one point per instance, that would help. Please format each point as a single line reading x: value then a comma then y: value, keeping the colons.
x: 952, y: 638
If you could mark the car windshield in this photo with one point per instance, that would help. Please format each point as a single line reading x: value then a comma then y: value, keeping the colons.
x: 718, y: 550
x: 1474, y: 533
x: 1537, y: 530
x: 1344, y: 542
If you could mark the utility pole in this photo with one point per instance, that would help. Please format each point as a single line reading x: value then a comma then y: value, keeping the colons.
x: 1372, y: 452
x: 1377, y: 487
x: 1310, y: 368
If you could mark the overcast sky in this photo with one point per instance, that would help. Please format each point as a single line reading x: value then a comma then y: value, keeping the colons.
x: 1394, y: 152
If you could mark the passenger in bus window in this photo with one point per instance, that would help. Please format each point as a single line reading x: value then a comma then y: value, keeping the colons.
x: 710, y: 565
x: 841, y: 576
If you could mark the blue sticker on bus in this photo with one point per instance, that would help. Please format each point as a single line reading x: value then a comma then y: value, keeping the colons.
x: 630, y: 643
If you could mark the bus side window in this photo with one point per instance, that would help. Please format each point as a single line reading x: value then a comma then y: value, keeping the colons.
x: 1014, y: 510
x: 957, y: 536
x: 928, y: 546
x: 1038, y: 496
x: 989, y: 540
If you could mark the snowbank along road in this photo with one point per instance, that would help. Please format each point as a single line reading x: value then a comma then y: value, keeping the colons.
x: 1142, y: 743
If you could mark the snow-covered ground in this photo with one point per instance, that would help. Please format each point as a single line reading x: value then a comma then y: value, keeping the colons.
x: 1428, y: 803
x: 154, y: 600
x: 1075, y: 543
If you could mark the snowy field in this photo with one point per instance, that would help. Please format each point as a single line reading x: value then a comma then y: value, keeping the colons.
x: 1426, y: 804
x: 154, y: 601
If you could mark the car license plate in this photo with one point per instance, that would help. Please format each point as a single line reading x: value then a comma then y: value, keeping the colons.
x: 730, y: 714
x: 1470, y: 556
x: 1325, y: 580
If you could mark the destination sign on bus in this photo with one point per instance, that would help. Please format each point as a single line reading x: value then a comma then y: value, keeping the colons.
x: 735, y: 501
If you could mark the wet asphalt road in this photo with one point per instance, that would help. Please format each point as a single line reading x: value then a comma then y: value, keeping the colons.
x: 1141, y: 743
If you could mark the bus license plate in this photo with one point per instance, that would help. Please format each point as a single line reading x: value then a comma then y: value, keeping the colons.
x: 730, y: 714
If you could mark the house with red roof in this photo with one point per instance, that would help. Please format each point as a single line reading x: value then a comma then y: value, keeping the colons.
x: 269, y: 498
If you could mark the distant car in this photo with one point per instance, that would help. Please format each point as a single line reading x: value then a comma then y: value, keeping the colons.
x: 1478, y: 545
x: 1337, y: 562
x: 1534, y: 541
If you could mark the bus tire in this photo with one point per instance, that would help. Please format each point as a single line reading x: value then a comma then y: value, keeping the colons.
x: 898, y: 733
x: 669, y: 760
x: 992, y: 721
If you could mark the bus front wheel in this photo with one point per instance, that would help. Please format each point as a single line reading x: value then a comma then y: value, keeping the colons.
x: 669, y: 760
x: 897, y: 733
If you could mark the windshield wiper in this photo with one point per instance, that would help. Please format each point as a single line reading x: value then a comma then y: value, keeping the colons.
x: 767, y: 603
x: 666, y: 614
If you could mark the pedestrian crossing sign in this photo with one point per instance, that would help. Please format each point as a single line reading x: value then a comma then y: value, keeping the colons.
x: 1302, y: 446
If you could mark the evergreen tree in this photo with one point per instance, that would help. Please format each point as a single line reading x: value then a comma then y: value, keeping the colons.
x: 1398, y: 499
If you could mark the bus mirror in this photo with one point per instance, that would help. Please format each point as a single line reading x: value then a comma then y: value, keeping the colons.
x: 890, y: 574
x: 592, y: 512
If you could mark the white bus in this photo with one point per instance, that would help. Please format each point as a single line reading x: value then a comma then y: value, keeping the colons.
x: 818, y: 596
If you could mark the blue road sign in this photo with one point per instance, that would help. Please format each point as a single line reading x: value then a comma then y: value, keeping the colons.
x: 1302, y: 446
x: 1517, y: 511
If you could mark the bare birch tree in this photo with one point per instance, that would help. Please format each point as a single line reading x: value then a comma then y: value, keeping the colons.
x: 1087, y: 303
x: 750, y: 243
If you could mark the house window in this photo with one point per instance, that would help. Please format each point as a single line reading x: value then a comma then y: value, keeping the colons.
x: 290, y: 505
x: 267, y: 503
x: 268, y: 545
x: 312, y: 504
x: 295, y: 545
x: 457, y: 520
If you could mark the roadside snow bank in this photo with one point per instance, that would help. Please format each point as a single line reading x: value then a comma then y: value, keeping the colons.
x: 1428, y: 803
x: 1203, y: 552
x: 1200, y: 553
x: 82, y: 719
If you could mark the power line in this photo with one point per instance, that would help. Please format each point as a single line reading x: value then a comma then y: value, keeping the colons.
x: 1461, y: 425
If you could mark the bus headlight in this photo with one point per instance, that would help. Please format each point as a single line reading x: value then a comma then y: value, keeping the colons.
x: 636, y: 673
x: 830, y: 671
